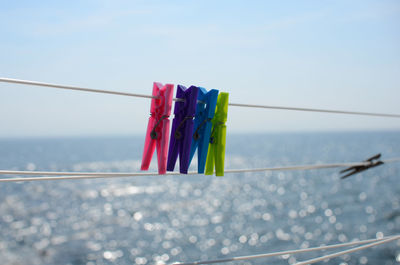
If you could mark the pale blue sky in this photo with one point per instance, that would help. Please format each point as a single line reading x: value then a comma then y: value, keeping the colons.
x: 322, y: 54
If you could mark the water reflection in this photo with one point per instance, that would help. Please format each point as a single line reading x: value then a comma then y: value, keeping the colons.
x: 157, y: 220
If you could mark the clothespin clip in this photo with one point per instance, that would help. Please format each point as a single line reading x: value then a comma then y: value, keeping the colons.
x: 158, y: 127
x: 202, y: 126
x: 182, y: 128
x: 370, y: 163
x: 216, y: 149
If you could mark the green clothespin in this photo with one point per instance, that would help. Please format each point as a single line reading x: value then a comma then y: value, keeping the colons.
x: 216, y: 148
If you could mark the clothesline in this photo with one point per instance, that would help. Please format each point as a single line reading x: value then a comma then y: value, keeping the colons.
x: 352, y: 250
x: 365, y: 244
x: 35, y: 83
x: 95, y: 175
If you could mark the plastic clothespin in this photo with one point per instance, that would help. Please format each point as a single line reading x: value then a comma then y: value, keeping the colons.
x: 202, y: 125
x: 216, y: 149
x: 158, y: 127
x: 370, y: 162
x: 182, y: 128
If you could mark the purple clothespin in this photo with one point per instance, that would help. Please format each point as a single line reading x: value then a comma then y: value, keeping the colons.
x: 182, y: 128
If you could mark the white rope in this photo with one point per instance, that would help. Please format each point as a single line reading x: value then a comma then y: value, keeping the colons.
x: 34, y: 83
x: 333, y: 255
x: 297, y: 251
x: 95, y: 175
x: 316, y: 110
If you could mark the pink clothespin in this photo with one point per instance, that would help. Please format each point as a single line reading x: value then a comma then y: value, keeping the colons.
x: 157, y: 134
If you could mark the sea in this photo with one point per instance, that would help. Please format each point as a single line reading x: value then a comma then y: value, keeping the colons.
x: 165, y: 219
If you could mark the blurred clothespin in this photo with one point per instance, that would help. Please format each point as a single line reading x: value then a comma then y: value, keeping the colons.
x: 202, y: 125
x: 216, y: 151
x: 158, y: 127
x: 182, y: 128
x: 370, y: 163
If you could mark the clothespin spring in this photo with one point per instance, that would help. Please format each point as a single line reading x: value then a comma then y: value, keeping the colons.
x: 153, y: 133
x: 178, y: 134
x: 212, y: 138
x: 196, y: 134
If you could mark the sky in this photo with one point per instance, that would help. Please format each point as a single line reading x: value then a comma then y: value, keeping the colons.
x: 316, y: 54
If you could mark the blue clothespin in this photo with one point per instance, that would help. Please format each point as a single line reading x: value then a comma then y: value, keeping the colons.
x: 182, y: 128
x: 202, y: 125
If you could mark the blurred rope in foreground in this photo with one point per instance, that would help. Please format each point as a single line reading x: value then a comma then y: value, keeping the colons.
x: 365, y: 244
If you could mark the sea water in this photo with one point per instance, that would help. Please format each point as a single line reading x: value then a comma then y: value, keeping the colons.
x: 163, y: 219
